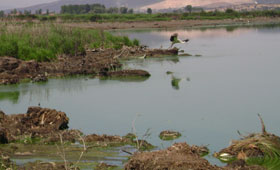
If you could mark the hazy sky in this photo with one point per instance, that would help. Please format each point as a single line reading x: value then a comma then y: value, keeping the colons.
x: 6, y: 4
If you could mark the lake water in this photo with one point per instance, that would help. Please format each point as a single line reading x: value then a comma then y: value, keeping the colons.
x: 235, y: 78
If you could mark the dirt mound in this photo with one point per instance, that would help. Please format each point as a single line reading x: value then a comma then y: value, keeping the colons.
x: 126, y: 73
x: 37, y: 122
x: 95, y: 61
x: 180, y: 156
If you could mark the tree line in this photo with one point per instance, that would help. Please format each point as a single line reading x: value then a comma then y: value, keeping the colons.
x: 94, y: 9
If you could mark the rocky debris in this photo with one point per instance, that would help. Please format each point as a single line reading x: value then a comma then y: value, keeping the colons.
x: 169, y: 135
x: 37, y: 122
x: 126, y: 73
x: 179, y: 156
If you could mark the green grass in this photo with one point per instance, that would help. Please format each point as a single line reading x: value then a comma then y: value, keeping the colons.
x: 44, y: 42
x: 106, y: 17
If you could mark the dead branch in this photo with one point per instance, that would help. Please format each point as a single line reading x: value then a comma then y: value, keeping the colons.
x: 263, y: 126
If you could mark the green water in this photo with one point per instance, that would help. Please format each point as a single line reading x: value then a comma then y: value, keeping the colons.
x: 222, y: 91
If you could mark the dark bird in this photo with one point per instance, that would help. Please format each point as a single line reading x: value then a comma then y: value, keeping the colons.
x: 175, y: 40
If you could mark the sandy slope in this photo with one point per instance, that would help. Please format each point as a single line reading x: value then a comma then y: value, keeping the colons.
x: 182, y: 3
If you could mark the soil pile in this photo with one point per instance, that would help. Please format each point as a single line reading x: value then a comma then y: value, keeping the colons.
x: 180, y: 156
x: 37, y: 122
x: 126, y: 73
x: 95, y: 61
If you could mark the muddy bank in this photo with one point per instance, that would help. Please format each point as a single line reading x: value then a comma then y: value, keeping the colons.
x: 179, y: 156
x: 95, y: 62
x: 175, y: 23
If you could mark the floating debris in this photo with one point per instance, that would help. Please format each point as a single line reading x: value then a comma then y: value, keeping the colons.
x: 169, y: 135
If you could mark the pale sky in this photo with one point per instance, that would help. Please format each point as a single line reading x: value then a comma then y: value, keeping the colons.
x: 8, y: 4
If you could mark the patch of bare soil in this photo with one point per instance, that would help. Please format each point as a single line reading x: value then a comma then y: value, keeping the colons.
x: 95, y: 61
x: 180, y: 156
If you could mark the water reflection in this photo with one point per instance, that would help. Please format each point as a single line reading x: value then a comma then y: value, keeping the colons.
x: 11, y: 96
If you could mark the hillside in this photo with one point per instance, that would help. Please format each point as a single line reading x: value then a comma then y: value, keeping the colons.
x: 144, y: 4
x: 182, y: 3
x: 56, y: 6
x: 268, y: 1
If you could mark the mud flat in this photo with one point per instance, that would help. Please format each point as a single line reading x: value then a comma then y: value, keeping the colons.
x: 95, y: 62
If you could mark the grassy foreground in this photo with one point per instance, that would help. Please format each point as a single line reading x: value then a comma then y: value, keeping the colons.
x: 44, y: 42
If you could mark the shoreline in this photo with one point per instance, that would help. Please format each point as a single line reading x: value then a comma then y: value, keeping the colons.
x: 174, y: 23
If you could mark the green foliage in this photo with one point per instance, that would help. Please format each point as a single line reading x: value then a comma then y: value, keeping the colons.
x: 149, y: 11
x: 189, y: 8
x: 2, y: 14
x: 46, y: 42
x: 93, y: 9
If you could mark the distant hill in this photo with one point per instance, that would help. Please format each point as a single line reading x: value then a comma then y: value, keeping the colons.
x: 56, y: 6
x: 268, y: 1
x: 144, y: 4
x: 182, y: 3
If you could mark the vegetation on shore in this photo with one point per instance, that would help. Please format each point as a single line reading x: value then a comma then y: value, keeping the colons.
x: 44, y: 42
x: 130, y: 16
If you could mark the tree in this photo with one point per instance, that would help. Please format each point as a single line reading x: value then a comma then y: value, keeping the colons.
x: 130, y: 11
x: 14, y: 11
x: 123, y: 10
x: 113, y: 10
x: 26, y: 12
x: 229, y: 11
x: 2, y: 14
x: 149, y: 11
x: 47, y: 12
x: 189, y: 8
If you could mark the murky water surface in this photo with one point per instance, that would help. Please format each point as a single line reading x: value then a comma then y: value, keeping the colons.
x: 222, y: 91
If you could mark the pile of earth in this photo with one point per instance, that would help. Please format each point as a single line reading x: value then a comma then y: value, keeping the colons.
x: 94, y: 62
x: 179, y: 156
